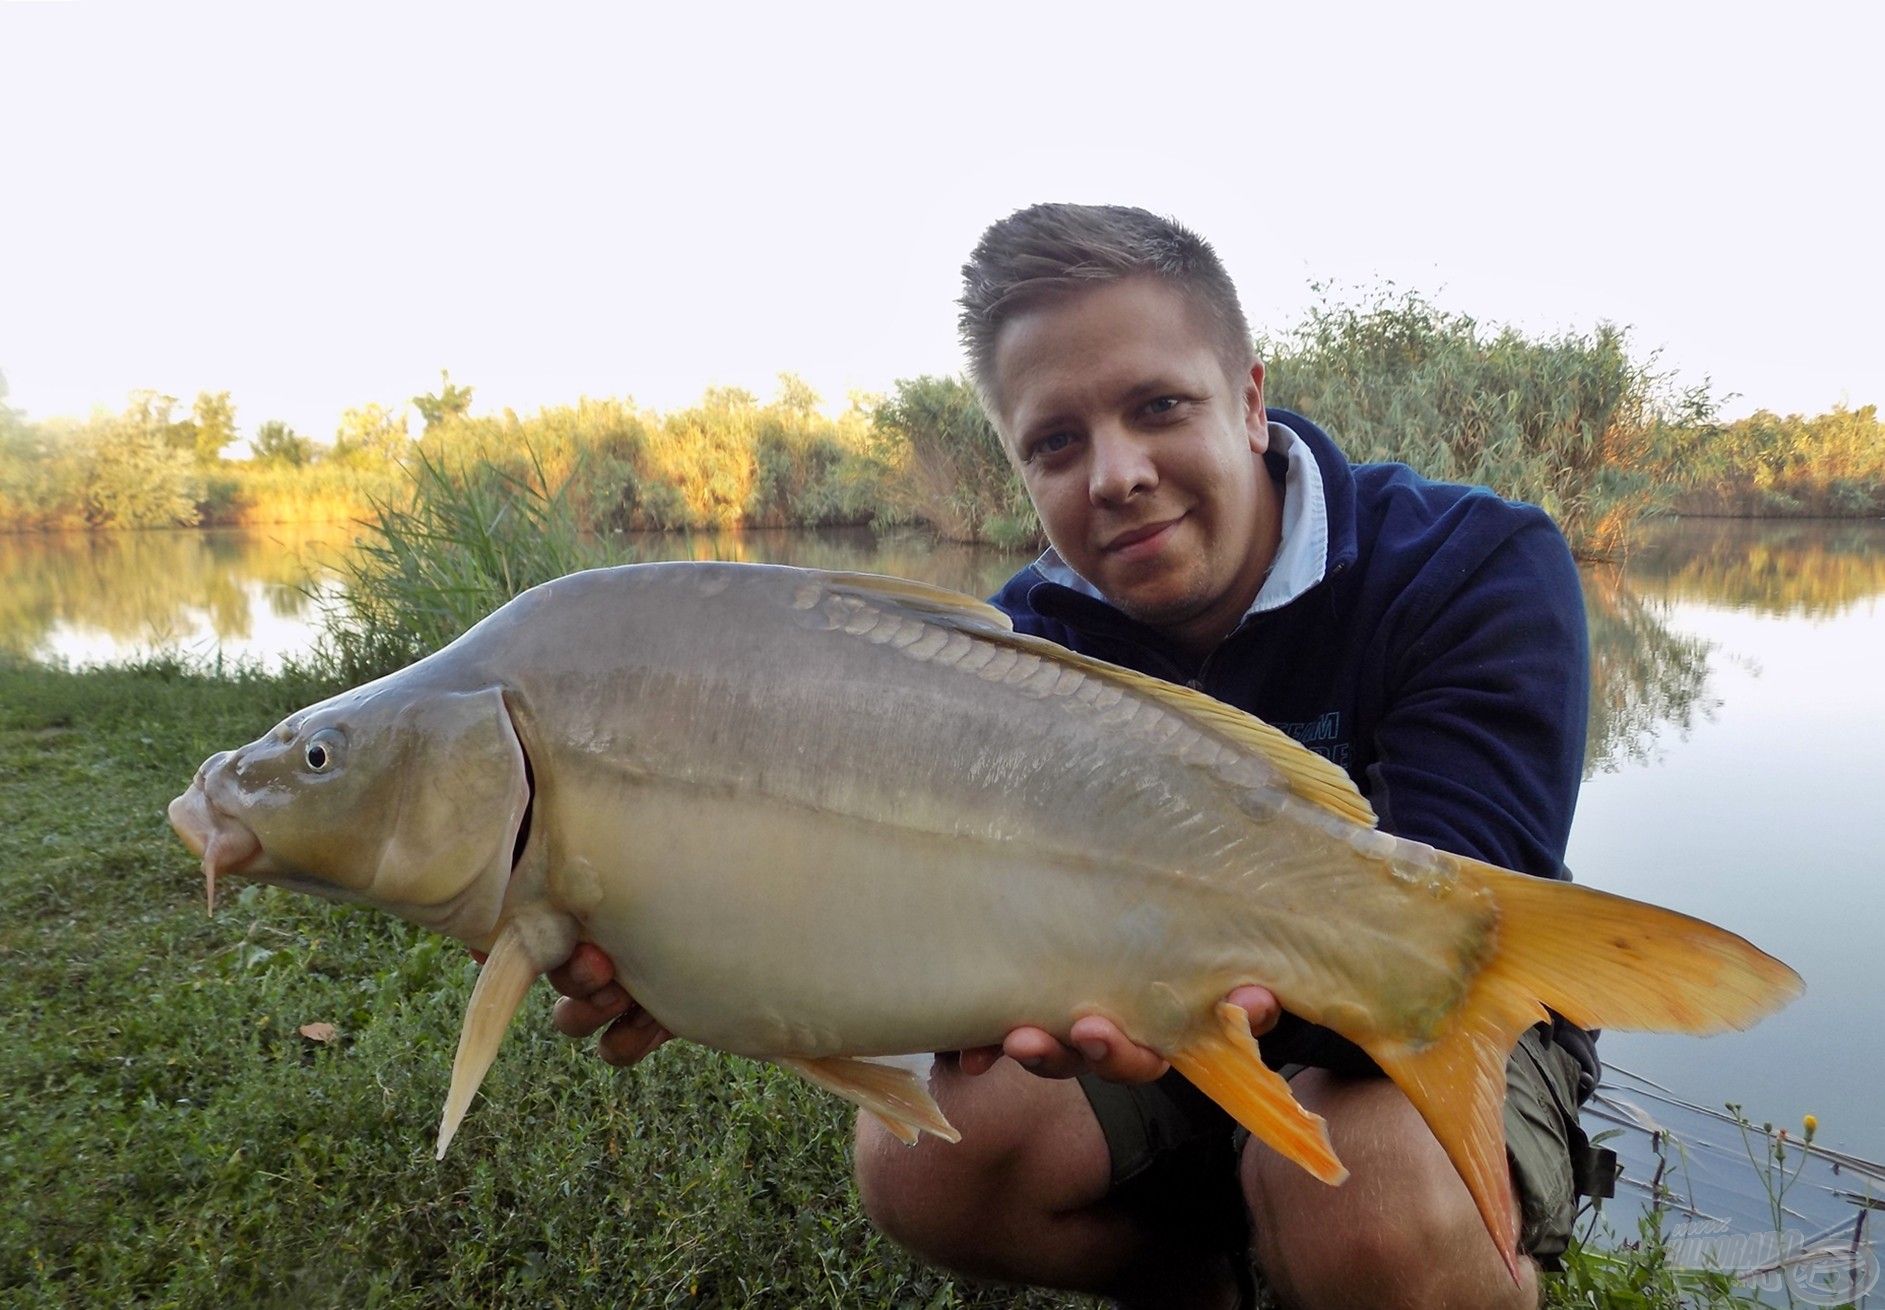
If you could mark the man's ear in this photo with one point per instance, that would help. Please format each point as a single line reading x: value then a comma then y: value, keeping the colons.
x: 1256, y: 417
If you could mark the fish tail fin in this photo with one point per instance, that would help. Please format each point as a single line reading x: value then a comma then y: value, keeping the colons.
x: 503, y: 982
x: 1601, y: 961
x: 1225, y: 1065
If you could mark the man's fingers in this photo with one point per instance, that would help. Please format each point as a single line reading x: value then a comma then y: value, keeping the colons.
x: 629, y: 1039
x: 579, y: 1016
x: 1039, y: 1052
x: 978, y: 1060
x: 586, y: 971
x: 1114, y: 1056
x: 1260, y: 1004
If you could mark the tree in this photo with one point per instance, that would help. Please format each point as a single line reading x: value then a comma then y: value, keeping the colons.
x: 451, y: 401
x: 214, y: 424
x: 9, y: 417
x: 796, y: 396
x: 371, y: 434
x: 277, y: 443
x: 151, y: 414
x: 135, y: 474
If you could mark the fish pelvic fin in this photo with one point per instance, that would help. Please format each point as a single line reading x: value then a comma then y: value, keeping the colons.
x: 525, y: 948
x: 1601, y: 961
x: 1225, y: 1065
x: 892, y: 1092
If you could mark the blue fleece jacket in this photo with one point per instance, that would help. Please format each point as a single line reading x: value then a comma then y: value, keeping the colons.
x: 1429, y: 638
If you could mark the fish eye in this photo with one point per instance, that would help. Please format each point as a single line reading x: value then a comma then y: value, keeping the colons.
x: 323, y: 751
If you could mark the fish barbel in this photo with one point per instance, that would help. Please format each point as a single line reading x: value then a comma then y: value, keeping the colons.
x: 816, y: 818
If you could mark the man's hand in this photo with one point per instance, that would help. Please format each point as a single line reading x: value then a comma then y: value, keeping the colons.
x: 1100, y: 1048
x: 592, y: 998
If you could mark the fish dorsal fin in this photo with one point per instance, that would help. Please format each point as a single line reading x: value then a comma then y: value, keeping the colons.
x: 1311, y: 776
x: 1306, y: 773
x: 923, y: 597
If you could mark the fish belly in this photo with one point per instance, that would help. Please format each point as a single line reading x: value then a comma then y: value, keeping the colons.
x: 769, y: 929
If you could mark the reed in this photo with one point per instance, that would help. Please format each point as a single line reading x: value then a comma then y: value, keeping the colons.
x: 464, y: 541
x: 1575, y: 424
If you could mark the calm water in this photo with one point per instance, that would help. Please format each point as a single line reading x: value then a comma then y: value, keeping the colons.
x: 1737, y: 764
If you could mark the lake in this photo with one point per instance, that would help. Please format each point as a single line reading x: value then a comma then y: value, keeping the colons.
x: 1736, y: 771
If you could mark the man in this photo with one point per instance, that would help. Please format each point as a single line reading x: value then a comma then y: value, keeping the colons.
x: 1427, y: 638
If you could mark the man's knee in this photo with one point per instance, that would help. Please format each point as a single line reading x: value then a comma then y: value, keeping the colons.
x: 1401, y: 1232
x: 926, y: 1197
x: 1030, y: 1152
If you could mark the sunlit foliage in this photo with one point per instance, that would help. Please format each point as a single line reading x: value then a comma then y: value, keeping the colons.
x: 1575, y: 424
x: 1830, y: 466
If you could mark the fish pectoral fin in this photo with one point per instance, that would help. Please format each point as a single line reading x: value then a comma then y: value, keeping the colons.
x: 1226, y: 1066
x: 893, y: 1093
x: 524, y: 949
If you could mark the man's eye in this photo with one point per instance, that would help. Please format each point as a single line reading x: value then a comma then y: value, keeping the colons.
x: 1051, y: 444
x: 1162, y: 406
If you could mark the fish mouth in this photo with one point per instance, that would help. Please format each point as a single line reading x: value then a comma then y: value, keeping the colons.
x: 225, y: 843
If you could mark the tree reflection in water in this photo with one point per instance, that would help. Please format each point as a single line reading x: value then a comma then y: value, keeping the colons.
x: 1814, y: 568
x: 124, y: 592
x: 1646, y: 676
x: 1645, y: 679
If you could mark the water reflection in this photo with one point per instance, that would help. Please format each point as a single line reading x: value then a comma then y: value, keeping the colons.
x: 1814, y: 568
x: 977, y: 570
x: 1645, y: 678
x: 87, y: 597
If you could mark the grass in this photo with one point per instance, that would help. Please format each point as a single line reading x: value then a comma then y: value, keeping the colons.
x: 168, y: 1136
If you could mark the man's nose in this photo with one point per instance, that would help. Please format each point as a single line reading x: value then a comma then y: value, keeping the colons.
x: 1120, y: 468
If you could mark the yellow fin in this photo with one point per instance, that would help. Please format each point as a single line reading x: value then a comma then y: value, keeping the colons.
x: 1601, y: 961
x: 1605, y: 961
x: 894, y: 1094
x: 1306, y: 773
x: 502, y: 984
x: 923, y: 597
x: 1226, y: 1067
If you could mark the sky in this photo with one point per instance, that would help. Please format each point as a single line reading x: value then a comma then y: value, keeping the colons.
x: 317, y: 207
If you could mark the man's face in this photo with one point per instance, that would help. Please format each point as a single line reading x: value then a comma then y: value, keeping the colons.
x: 1142, y: 457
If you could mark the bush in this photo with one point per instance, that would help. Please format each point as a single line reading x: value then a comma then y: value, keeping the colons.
x: 949, y: 468
x: 1572, y: 423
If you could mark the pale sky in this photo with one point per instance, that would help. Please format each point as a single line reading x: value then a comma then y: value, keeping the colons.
x: 318, y: 206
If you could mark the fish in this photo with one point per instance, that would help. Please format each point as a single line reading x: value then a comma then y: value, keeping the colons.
x: 829, y: 819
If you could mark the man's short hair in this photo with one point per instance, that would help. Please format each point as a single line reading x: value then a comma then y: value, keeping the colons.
x: 1045, y: 251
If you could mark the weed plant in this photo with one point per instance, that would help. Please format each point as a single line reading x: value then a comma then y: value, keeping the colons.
x: 467, y: 540
x: 1661, y: 1269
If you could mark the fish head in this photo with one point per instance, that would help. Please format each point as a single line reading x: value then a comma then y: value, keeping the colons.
x: 409, y: 798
